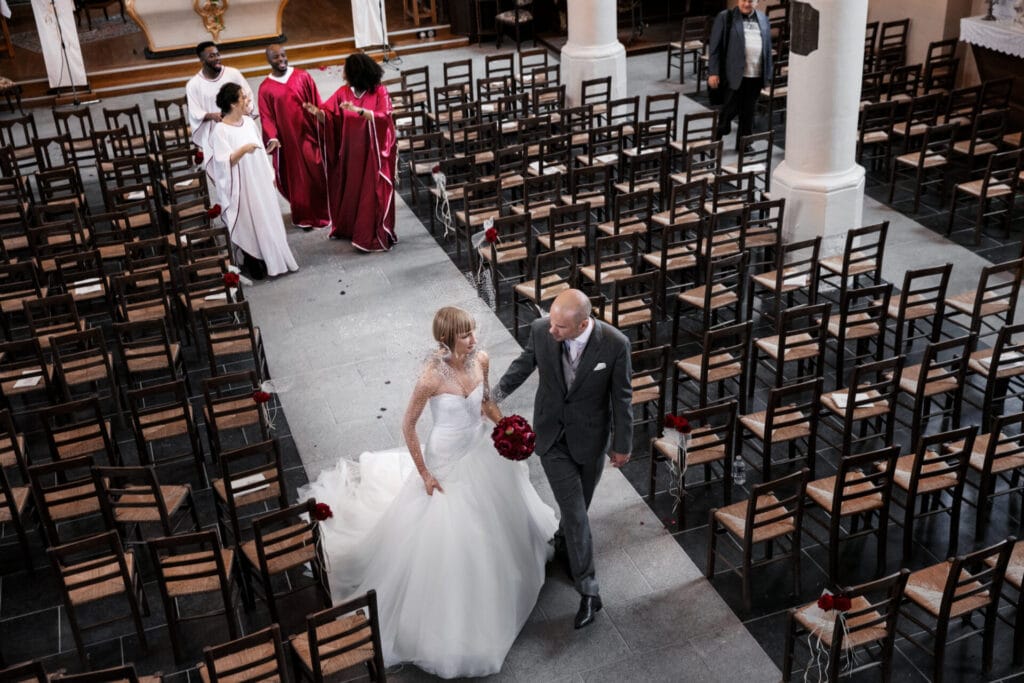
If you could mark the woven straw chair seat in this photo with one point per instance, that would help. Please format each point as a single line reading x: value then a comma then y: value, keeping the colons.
x: 822, y: 492
x: 562, y: 240
x: 612, y: 270
x: 734, y: 518
x: 703, y: 448
x: 88, y: 369
x: 678, y: 258
x: 107, y: 574
x: 186, y: 579
x: 1015, y: 568
x: 1007, y: 457
x: 665, y: 218
x: 726, y: 367
x: 81, y: 441
x: 141, y: 506
x: 278, y: 541
x: 755, y: 422
x: 720, y: 296
x: 255, y: 496
x: 964, y: 303
x: 538, y: 212
x: 150, y: 358
x: 630, y: 313
x: 7, y: 458
x: 331, y: 663
x: 911, y: 377
x: 768, y: 280
x: 503, y: 254
x: 77, y: 501
x: 857, y: 326
x: 478, y: 218
x: 875, y: 136
x: 798, y: 347
x: 759, y: 239
x: 148, y: 312
x: 926, y: 586
x: 821, y: 624
x: 196, y: 300
x: 164, y: 424
x: 904, y: 465
x: 859, y: 263
x: 257, y: 663
x: 975, y: 187
x: 550, y: 287
x: 10, y: 377
x: 226, y: 342
x: 235, y: 413
x: 645, y: 389
x: 19, y: 496
x: 880, y: 406
x: 1010, y: 367
x: 13, y: 302
x: 964, y: 147
x: 626, y: 227
x: 930, y: 160
x: 913, y: 312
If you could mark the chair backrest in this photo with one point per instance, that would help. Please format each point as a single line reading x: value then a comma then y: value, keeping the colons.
x: 874, y: 606
x: 998, y: 289
x: 130, y: 494
x: 870, y: 392
x: 185, y: 563
x: 287, y: 538
x: 940, y: 461
x: 459, y: 73
x: 722, y: 351
x: 349, y: 632
x: 78, y: 428
x: 923, y: 294
x: 793, y: 407
x: 596, y: 91
x: 974, y: 581
x: 1003, y: 172
x: 780, y: 501
x: 256, y: 657
x: 418, y: 81
x: 861, y: 484
x: 943, y: 367
x: 64, y: 490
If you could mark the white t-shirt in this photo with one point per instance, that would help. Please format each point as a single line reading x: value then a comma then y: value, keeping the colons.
x: 752, y: 43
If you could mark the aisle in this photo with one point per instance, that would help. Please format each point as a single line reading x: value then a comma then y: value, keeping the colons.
x: 347, y: 334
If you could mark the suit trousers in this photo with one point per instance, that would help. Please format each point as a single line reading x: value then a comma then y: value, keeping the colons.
x: 573, y: 485
x: 741, y: 102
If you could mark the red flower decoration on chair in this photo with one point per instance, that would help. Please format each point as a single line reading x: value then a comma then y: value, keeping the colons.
x: 678, y: 423
x: 199, y: 156
x: 842, y: 603
x: 260, y: 396
x: 213, y: 211
x: 322, y: 511
x: 491, y: 235
x: 825, y: 602
x: 231, y: 279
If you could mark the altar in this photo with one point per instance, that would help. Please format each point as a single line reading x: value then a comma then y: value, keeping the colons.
x: 177, y: 26
x: 998, y: 48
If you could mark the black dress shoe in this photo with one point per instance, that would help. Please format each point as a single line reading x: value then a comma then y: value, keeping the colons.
x: 590, y: 605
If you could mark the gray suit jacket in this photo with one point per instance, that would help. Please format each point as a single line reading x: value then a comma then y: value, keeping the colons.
x: 598, y: 403
x: 736, y: 60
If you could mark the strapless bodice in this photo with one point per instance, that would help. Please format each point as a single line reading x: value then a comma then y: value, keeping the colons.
x: 454, y: 412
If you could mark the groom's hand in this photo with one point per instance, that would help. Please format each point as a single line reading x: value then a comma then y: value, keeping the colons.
x: 618, y: 459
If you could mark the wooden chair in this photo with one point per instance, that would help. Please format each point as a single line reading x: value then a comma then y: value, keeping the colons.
x: 722, y: 360
x: 633, y: 306
x: 874, y: 133
x: 712, y: 441
x: 848, y: 636
x: 648, y: 379
x: 339, y: 638
x: 950, y: 592
x: 800, y: 341
x: 77, y: 428
x: 229, y: 408
x: 233, y: 338
x: 860, y: 318
x: 132, y: 496
x: 790, y: 419
x: 16, y: 501
x: 253, y: 658
x: 940, y: 375
x: 996, y: 456
x: 1012, y: 582
x: 794, y: 274
x: 774, y: 513
x: 933, y: 158
x: 691, y: 43
x: 190, y: 565
x: 65, y: 493
x: 250, y: 476
x: 998, y: 186
x: 868, y: 401
x: 550, y: 274
x: 858, y: 492
x: 164, y: 427
x: 26, y: 378
x: 286, y: 540
x: 862, y: 257
x: 718, y: 296
x: 920, y: 302
x: 146, y: 351
x: 81, y: 358
x: 95, y: 568
x: 993, y: 304
x: 514, y: 19
x: 1000, y: 371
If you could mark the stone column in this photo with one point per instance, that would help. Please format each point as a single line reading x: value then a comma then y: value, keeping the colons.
x: 593, y: 49
x: 819, y: 177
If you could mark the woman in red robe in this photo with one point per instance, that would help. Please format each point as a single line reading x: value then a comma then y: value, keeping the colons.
x: 361, y: 173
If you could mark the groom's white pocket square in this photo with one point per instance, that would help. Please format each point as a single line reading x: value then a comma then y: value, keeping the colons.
x: 599, y: 366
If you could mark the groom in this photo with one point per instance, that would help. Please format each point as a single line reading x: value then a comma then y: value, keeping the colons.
x: 584, y: 368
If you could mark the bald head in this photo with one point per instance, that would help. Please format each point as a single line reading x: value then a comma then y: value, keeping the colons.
x: 278, y: 59
x: 569, y: 314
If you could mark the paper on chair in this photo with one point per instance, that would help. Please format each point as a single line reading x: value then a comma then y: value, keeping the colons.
x: 606, y: 158
x: 840, y: 398
x: 80, y: 291
x: 798, y: 280
x: 182, y: 184
x: 219, y: 296
x: 548, y: 170
x: 1008, y: 360
x: 136, y: 194
x: 86, y: 281
x: 244, y: 482
x: 28, y: 381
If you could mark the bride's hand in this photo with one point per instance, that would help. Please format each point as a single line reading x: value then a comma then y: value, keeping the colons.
x: 431, y: 484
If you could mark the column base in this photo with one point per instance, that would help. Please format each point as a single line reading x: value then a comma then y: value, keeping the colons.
x: 816, y: 204
x: 583, y: 62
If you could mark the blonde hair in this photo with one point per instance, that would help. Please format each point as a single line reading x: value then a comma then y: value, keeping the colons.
x: 450, y: 323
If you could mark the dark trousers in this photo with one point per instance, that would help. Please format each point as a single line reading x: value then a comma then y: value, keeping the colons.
x: 741, y: 103
x: 573, y: 485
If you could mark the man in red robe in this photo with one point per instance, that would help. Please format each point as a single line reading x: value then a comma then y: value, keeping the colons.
x: 294, y: 140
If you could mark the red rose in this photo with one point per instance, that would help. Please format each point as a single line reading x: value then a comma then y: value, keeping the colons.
x: 231, y: 279
x: 842, y: 603
x: 491, y: 235
x: 260, y: 396
x: 503, y: 445
x: 436, y: 169
x: 825, y: 602
x: 683, y: 425
x: 213, y: 211
x: 322, y: 511
x: 199, y: 156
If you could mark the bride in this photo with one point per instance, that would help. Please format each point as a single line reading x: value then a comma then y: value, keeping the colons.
x: 456, y: 553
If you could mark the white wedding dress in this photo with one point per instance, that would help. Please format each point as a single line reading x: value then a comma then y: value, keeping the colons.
x: 457, y: 573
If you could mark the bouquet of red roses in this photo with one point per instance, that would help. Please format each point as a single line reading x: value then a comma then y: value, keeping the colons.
x: 514, y: 438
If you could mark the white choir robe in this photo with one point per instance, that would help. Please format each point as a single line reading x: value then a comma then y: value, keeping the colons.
x: 202, y: 99
x: 51, y: 25
x: 248, y: 198
x: 369, y: 23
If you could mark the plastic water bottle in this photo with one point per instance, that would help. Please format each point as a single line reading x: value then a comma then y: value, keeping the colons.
x: 739, y: 471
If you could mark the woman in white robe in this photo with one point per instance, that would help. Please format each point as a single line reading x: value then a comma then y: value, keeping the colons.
x: 244, y: 178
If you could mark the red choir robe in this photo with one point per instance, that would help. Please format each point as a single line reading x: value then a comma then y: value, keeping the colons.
x: 362, y: 169
x: 299, y: 161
